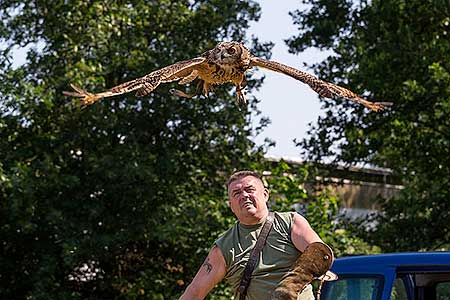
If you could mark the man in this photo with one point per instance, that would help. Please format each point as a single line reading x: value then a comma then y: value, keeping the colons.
x: 289, y: 237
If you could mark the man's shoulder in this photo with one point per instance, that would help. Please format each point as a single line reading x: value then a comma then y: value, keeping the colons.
x: 283, y: 221
x: 226, y: 235
x: 226, y: 242
x: 286, y: 216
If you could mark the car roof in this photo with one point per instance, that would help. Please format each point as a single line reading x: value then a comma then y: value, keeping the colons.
x: 379, y: 262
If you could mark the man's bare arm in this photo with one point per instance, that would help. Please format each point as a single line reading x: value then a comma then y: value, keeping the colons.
x: 210, y: 273
x: 302, y: 234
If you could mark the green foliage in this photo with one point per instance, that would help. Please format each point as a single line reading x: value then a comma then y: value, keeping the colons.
x: 286, y: 186
x: 121, y: 200
x: 389, y: 51
x: 321, y: 208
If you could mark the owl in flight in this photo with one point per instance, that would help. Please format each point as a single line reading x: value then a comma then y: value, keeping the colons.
x: 227, y: 62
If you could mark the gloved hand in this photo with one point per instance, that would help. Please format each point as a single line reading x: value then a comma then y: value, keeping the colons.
x: 314, y: 262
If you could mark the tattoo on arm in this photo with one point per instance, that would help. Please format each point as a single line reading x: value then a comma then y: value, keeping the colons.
x: 208, y: 265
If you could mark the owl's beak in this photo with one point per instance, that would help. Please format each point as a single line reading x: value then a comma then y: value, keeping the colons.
x: 224, y: 55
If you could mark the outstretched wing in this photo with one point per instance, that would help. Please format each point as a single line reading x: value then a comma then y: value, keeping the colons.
x: 142, y: 85
x: 323, y: 88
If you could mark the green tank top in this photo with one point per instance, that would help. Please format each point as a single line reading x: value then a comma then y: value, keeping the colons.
x: 275, y: 259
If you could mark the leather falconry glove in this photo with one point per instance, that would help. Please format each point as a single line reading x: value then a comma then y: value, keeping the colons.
x: 314, y: 262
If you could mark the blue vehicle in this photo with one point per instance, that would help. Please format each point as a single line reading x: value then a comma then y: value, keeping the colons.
x: 397, y: 276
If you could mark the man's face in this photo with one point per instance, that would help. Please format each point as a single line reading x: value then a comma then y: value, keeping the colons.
x: 248, y: 199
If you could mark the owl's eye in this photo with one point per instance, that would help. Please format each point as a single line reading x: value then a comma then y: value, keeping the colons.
x: 231, y: 50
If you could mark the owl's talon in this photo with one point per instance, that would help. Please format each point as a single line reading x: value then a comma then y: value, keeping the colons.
x: 241, y: 100
x: 182, y: 94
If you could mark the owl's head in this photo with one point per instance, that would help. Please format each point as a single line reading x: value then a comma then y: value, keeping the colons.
x: 229, y: 53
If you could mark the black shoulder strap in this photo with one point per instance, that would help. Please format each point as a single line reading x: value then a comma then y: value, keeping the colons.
x: 254, y: 255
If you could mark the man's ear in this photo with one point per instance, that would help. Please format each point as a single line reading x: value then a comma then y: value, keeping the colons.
x: 266, y: 194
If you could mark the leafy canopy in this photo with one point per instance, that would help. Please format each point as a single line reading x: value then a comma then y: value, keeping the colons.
x: 124, y: 199
x: 395, y: 51
x: 121, y: 200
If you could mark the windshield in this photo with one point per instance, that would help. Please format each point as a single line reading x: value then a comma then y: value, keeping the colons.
x: 353, y: 288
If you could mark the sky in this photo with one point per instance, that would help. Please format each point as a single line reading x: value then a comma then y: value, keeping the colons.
x: 288, y: 103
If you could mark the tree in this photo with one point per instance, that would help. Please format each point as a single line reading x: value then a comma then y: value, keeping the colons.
x: 294, y: 187
x: 112, y: 202
x: 389, y: 51
x: 320, y: 206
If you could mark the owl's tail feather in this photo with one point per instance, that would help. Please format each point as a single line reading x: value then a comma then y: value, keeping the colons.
x: 86, y: 97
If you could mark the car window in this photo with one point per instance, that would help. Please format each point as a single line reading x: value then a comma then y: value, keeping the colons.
x: 443, y: 291
x: 353, y: 288
x: 426, y: 284
x: 399, y: 290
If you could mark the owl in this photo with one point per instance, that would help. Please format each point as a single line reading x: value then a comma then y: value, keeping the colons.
x: 228, y: 62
